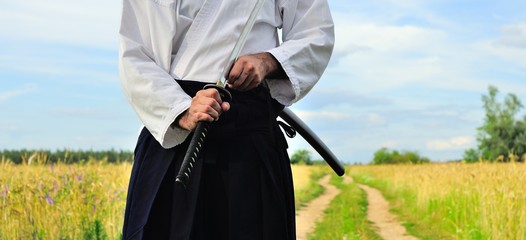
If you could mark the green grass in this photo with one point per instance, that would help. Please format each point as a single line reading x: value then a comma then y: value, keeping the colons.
x: 312, y: 190
x: 403, y: 203
x: 346, y: 216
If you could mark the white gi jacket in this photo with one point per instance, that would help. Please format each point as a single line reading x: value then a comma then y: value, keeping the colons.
x: 163, y: 40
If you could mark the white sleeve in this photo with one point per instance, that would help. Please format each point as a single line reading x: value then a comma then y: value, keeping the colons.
x: 308, y: 41
x: 146, y: 33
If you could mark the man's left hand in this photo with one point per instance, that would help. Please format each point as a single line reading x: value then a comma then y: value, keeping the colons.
x: 250, y: 70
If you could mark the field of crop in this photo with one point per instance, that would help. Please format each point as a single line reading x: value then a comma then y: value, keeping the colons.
x: 434, y: 201
x: 454, y: 200
x: 59, y: 201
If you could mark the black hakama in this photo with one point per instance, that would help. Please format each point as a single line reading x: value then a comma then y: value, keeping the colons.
x: 241, y: 187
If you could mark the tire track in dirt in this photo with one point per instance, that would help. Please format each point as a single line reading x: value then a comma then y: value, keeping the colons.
x: 388, y: 227
x: 312, y: 213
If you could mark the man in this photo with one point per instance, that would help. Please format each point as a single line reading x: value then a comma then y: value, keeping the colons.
x: 241, y: 187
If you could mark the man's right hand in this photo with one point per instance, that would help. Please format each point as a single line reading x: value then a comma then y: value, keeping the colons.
x: 206, y: 106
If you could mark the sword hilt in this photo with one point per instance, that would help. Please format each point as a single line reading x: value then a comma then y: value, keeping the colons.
x: 197, y: 142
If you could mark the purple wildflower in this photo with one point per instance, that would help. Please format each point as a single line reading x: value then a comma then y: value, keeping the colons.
x: 118, y: 195
x: 50, y: 200
x: 6, y: 191
x: 55, y: 187
x: 79, y: 177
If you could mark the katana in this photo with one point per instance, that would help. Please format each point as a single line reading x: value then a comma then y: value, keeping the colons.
x: 309, y: 136
x: 201, y: 131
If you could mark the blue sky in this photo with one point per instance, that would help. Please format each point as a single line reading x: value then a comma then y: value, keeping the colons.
x: 405, y: 74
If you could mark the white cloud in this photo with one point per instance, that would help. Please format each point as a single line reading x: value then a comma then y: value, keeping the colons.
x: 375, y: 119
x: 390, y: 144
x: 389, y: 38
x: 510, y: 46
x: 331, y: 119
x: 513, y: 36
x: 16, y: 92
x: 459, y: 142
x: 381, y: 57
x: 322, y: 115
x: 90, y: 23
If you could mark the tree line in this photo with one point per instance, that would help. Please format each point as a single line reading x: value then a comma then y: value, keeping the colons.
x: 28, y: 156
x: 386, y: 156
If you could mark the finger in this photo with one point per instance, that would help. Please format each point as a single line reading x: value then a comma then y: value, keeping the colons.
x: 205, y: 108
x: 206, y: 113
x: 203, y: 117
x: 212, y: 107
x: 242, y: 78
x: 252, y: 81
x: 236, y: 71
x: 253, y: 84
x: 246, y: 84
x: 247, y: 76
x: 225, y: 106
x: 214, y: 94
x: 211, y: 101
x: 245, y: 80
x: 210, y: 93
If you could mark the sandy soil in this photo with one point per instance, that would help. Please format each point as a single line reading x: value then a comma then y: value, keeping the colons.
x: 378, y: 213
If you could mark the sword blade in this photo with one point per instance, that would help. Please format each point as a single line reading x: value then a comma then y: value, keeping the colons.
x: 236, y: 51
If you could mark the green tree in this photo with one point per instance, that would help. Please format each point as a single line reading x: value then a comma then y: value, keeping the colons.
x: 301, y: 156
x: 501, y: 133
x: 471, y: 155
x: 383, y: 156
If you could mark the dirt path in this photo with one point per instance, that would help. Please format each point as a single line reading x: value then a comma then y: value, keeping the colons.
x: 378, y: 213
x: 308, y: 216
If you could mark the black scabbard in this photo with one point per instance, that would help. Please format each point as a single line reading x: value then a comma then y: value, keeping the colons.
x: 295, y: 122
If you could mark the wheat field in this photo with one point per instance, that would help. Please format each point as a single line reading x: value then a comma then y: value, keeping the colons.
x: 71, y: 201
x: 59, y: 201
x: 455, y: 200
x: 438, y: 201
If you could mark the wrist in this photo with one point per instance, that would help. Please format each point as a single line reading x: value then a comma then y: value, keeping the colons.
x: 274, y: 68
x: 180, y: 121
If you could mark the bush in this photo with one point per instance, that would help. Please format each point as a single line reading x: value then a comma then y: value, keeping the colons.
x: 384, y: 156
x: 301, y: 156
